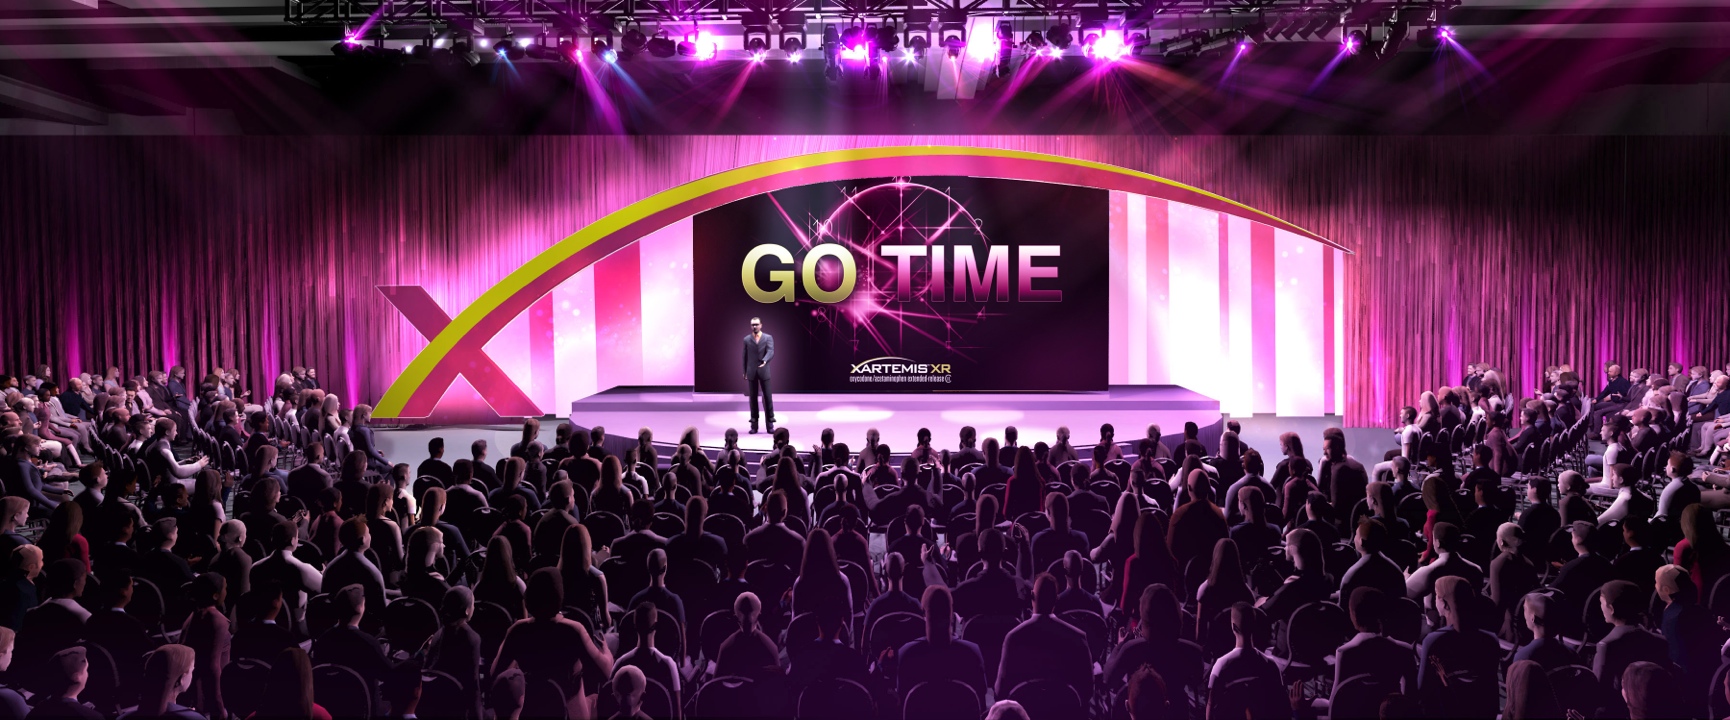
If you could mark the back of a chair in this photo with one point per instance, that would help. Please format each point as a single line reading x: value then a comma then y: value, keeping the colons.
x: 835, y: 699
x: 341, y: 691
x: 892, y: 631
x: 1716, y: 702
x: 243, y: 684
x: 717, y: 627
x: 545, y: 700
x: 1094, y: 626
x: 442, y: 697
x: 941, y: 700
x: 1047, y: 700
x: 624, y: 579
x: 860, y: 583
x: 988, y: 631
x: 604, y: 527
x: 770, y: 581
x: 726, y: 697
x: 147, y: 604
x: 1251, y: 697
x: 102, y: 688
x: 1359, y: 697
x: 1316, y: 630
x: 408, y: 622
x: 490, y: 621
x: 669, y: 636
x: 667, y: 525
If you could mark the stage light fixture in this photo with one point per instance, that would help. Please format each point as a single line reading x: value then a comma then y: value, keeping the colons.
x: 632, y: 43
x: 917, y: 45
x: 888, y: 37
x: 603, y: 50
x: 700, y: 45
x: 463, y: 49
x: 1035, y: 40
x: 793, y: 46
x: 508, y: 48
x: 756, y: 45
x: 1059, y: 36
x: 1352, y: 43
x: 661, y: 45
x: 792, y: 33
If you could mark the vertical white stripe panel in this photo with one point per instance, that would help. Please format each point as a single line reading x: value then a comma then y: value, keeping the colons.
x: 667, y: 302
x: 1135, y: 218
x: 574, y: 343
x: 1192, y: 330
x: 1238, y: 398
x: 1299, y: 330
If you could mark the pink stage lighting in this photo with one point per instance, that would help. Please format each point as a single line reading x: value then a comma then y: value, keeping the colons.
x: 1110, y: 46
x: 706, y: 47
x: 759, y: 56
x: 1445, y: 33
x: 857, y: 53
x: 982, y: 47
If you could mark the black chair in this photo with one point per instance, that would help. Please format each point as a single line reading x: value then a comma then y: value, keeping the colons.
x: 243, y: 684
x: 1359, y: 697
x: 726, y: 697
x: 861, y: 584
x: 1098, y: 632
x: 669, y: 635
x: 442, y: 697
x: 408, y: 622
x: 892, y: 631
x: 941, y: 700
x: 102, y: 688
x: 835, y: 699
x: 1257, y: 698
x: 1313, y: 633
x: 545, y: 699
x: 988, y: 631
x: 717, y: 627
x: 491, y: 621
x: 147, y: 604
x: 341, y: 691
x: 1577, y: 688
x: 604, y: 527
x: 1716, y: 702
x: 770, y: 581
x: 667, y: 525
x: 729, y: 528
x: 1047, y: 700
x: 624, y: 579
x: 320, y: 614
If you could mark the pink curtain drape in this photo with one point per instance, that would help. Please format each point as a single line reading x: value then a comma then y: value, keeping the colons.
x: 260, y: 253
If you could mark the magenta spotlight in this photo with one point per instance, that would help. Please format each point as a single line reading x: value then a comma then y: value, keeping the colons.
x: 759, y: 56
x: 982, y: 47
x: 1445, y: 32
x: 1352, y: 43
x: 703, y: 45
x: 858, y: 53
x: 1242, y: 47
x: 1110, y: 46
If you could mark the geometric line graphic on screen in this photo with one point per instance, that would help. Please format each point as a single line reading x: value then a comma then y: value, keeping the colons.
x: 930, y: 300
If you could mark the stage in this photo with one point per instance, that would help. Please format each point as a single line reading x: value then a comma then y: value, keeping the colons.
x: 1130, y: 408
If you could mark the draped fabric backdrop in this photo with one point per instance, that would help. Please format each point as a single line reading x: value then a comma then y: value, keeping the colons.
x: 260, y: 253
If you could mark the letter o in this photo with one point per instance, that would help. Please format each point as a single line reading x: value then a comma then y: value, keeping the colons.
x: 849, y: 273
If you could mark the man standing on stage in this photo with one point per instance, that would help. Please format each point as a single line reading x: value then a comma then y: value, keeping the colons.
x: 759, y: 350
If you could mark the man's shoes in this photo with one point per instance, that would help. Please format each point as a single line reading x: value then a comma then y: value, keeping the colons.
x: 754, y: 429
x: 771, y: 426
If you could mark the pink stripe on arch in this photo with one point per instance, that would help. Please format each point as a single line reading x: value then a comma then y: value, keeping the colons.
x: 1262, y: 319
x: 1329, y: 329
x: 619, y: 318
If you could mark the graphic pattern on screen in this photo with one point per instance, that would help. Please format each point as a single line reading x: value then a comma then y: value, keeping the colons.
x: 908, y: 285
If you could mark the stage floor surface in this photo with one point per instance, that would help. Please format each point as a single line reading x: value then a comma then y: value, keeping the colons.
x: 669, y: 410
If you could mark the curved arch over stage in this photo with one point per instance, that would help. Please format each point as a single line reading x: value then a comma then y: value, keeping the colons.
x: 455, y: 345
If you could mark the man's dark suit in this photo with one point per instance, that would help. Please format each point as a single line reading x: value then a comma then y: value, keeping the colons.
x: 756, y: 356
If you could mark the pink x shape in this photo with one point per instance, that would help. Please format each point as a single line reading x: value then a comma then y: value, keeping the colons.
x: 468, y: 360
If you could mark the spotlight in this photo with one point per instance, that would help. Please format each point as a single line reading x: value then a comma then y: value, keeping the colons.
x: 1445, y: 33
x: 1108, y: 45
x: 603, y: 50
x: 756, y: 45
x: 1352, y: 42
x: 918, y: 44
x: 888, y: 37
x: 759, y: 56
x: 1244, y: 45
x: 463, y: 49
x: 568, y: 51
x: 953, y: 44
x: 699, y: 45
x: 793, y: 47
x: 981, y: 47
x: 1035, y: 40
x: 508, y: 48
x: 1059, y: 37
x: 632, y: 43
x: 661, y: 46
x: 792, y: 33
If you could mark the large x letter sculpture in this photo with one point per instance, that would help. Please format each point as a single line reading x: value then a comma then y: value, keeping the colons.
x: 488, y: 379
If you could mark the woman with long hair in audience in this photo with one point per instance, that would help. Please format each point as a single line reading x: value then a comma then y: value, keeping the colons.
x: 612, y: 496
x: 167, y: 674
x: 1152, y: 562
x: 386, y: 533
x: 1651, y: 692
x: 1439, y: 507
x: 420, y: 577
x: 1295, y: 490
x: 63, y: 537
x: 1224, y: 586
x: 584, y: 585
x: 787, y: 481
x: 1702, y: 550
x: 1308, y: 583
x: 288, y: 693
x: 1530, y: 694
x: 499, y: 582
x: 820, y: 582
x: 1025, y: 490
